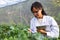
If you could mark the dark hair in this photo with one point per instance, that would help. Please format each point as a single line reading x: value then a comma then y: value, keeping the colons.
x: 38, y: 5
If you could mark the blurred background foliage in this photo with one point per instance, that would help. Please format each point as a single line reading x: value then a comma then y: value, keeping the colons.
x: 20, y: 12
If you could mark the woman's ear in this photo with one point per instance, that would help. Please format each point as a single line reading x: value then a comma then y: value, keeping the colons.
x: 40, y: 9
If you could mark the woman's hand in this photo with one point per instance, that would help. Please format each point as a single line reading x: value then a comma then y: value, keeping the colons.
x: 29, y: 30
x: 41, y: 31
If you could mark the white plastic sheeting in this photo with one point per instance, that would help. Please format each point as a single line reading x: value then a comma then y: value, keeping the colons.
x: 4, y: 3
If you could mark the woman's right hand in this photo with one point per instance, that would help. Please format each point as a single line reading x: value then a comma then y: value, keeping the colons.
x: 29, y: 30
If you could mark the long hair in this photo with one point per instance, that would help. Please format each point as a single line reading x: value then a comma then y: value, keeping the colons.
x: 38, y: 5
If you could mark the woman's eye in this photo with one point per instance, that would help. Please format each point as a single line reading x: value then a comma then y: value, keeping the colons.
x: 35, y: 12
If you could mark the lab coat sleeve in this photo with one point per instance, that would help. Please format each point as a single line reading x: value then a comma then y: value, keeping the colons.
x: 54, y: 33
x: 32, y: 26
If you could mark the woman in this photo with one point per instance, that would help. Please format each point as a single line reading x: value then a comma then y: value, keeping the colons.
x: 42, y: 19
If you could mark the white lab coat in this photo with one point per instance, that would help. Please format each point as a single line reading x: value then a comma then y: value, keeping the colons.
x: 52, y: 27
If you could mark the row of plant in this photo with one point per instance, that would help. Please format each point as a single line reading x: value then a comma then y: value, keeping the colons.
x: 17, y: 32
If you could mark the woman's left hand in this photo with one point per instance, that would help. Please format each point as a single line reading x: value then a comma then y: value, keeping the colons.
x: 41, y: 31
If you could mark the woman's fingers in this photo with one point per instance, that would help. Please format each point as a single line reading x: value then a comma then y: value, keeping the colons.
x: 29, y: 30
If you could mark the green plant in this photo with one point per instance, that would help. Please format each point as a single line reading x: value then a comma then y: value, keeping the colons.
x: 18, y: 32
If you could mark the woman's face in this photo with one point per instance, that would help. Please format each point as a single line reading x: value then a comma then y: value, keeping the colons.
x: 37, y: 12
